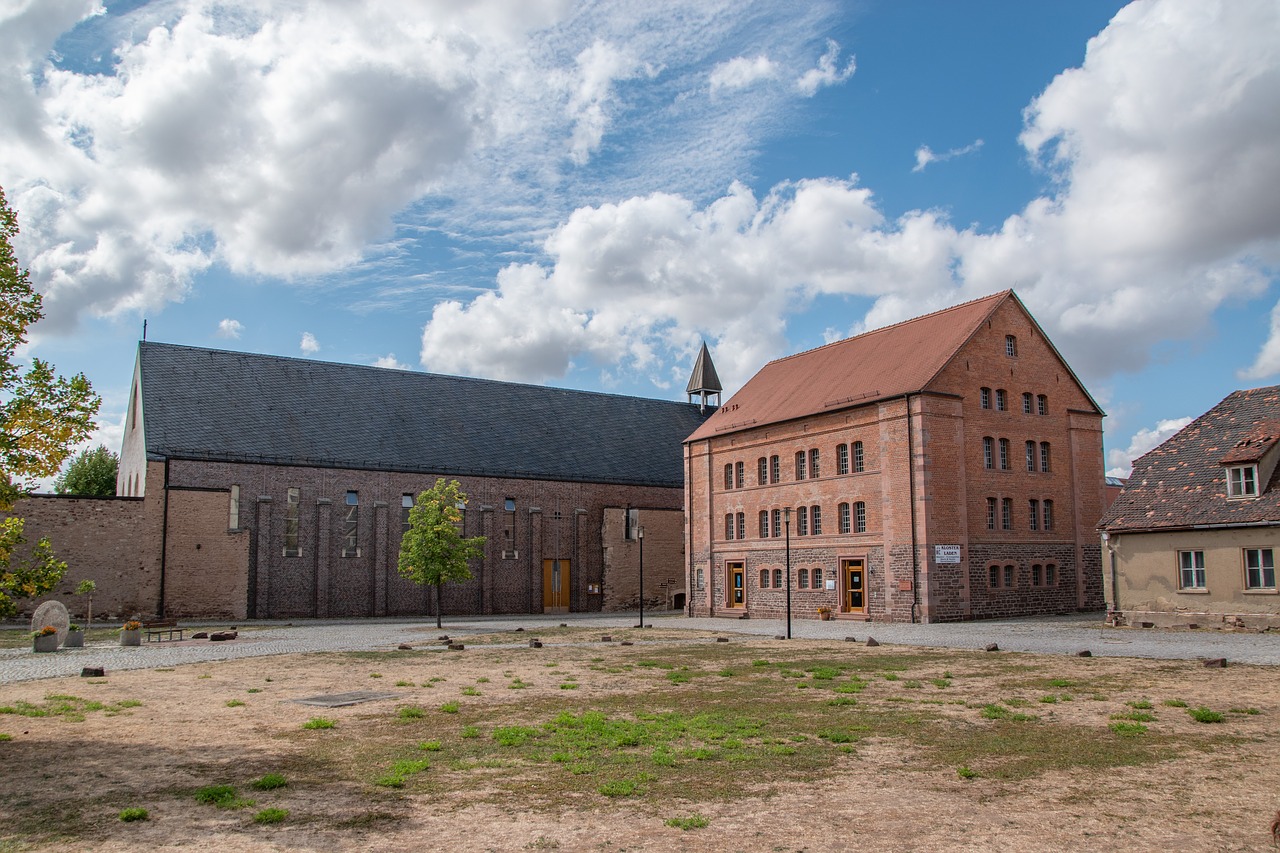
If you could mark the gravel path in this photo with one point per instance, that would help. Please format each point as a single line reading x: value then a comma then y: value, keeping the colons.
x: 1047, y: 635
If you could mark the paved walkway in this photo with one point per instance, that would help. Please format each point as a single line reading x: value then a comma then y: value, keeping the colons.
x: 1046, y: 635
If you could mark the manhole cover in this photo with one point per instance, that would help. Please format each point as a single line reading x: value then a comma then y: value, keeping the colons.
x: 338, y: 700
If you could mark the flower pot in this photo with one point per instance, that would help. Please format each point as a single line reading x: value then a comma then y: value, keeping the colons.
x: 75, y: 640
x: 45, y: 643
x: 131, y: 638
x: 824, y: 615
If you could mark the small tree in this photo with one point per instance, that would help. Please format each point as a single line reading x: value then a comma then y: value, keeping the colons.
x: 87, y: 587
x: 433, y: 550
x: 24, y: 575
x: 90, y: 472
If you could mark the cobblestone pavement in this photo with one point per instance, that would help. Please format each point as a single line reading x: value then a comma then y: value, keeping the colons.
x: 1048, y: 635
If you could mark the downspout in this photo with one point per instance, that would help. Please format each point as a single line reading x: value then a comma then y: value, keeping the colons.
x: 164, y: 538
x: 690, y: 573
x: 911, y: 488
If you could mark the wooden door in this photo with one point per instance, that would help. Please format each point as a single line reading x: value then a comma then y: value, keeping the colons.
x: 555, y: 586
x: 854, y: 576
x: 737, y: 577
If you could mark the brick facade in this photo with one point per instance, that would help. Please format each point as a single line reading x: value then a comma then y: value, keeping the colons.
x: 663, y: 560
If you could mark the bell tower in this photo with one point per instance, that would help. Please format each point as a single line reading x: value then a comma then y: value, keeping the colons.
x: 704, y: 382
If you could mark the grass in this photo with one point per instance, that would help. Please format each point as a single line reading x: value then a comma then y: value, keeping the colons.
x: 319, y: 723
x: 234, y: 703
x: 222, y: 796
x: 450, y: 708
x: 269, y: 782
x: 693, y: 821
x: 73, y: 709
x: 271, y: 815
x: 1204, y: 715
x: 132, y: 814
x: 411, y: 712
x: 400, y: 772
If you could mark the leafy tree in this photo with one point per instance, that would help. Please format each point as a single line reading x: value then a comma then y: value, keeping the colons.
x: 433, y: 550
x: 42, y: 416
x: 90, y: 472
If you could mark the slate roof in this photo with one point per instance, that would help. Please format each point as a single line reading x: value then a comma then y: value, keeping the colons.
x: 241, y: 407
x: 1182, y: 483
x: 876, y: 365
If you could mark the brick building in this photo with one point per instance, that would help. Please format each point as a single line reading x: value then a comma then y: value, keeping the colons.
x: 948, y: 467
x: 260, y: 486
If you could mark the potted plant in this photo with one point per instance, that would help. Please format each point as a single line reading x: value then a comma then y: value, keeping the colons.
x: 46, y: 639
x: 131, y: 633
x: 824, y: 613
x: 75, y: 637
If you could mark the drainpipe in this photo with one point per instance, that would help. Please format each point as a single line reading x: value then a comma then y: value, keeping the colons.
x: 911, y: 488
x: 164, y: 539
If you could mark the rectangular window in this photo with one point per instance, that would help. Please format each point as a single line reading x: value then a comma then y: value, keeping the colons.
x: 802, y: 521
x: 842, y: 459
x: 801, y: 467
x: 777, y: 578
x: 843, y: 522
x: 742, y: 525
x: 988, y: 448
x: 991, y: 513
x: 1006, y: 514
x: 813, y: 464
x: 406, y: 504
x: 860, y: 517
x: 633, y: 523
x: 1259, y: 569
x: 1010, y: 346
x: 509, y: 530
x: 1044, y: 456
x: 802, y: 579
x: 1008, y: 576
x: 1034, y: 514
x: 777, y: 523
x: 1031, y: 456
x: 762, y: 471
x: 1004, y: 454
x: 292, y: 510
x: 1026, y: 403
x: 1191, y: 570
x: 351, y: 526
x: 993, y: 577
x: 740, y: 478
x: 764, y: 524
x: 984, y: 397
x: 728, y: 525
x: 1002, y: 400
x: 1042, y: 404
x: 234, y: 523
x: 817, y: 578
x: 1048, y: 515
x: 728, y: 476
x: 1050, y: 575
x: 815, y: 518
x: 775, y: 469
x: 1242, y: 482
x: 1037, y: 575
x: 857, y: 457
x: 764, y: 578
x: 702, y: 579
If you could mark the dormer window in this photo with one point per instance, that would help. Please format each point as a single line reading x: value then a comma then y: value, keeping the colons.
x: 1242, y: 481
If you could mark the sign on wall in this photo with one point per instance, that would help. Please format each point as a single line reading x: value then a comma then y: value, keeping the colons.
x: 945, y: 554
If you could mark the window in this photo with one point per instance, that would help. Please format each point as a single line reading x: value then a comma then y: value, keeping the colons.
x: 1048, y: 515
x: 739, y: 471
x: 406, y: 504
x: 842, y: 523
x: 1026, y: 402
x: 728, y: 525
x: 815, y: 518
x: 857, y: 457
x: 509, y: 530
x: 728, y: 475
x: 813, y: 464
x: 802, y: 580
x: 234, y: 523
x: 1002, y: 401
x: 984, y: 398
x: 292, y: 506
x: 800, y: 464
x: 777, y: 523
x: 762, y: 471
x: 1037, y: 575
x: 351, y: 526
x: 991, y: 513
x: 633, y: 523
x: 1034, y: 514
x: 988, y: 443
x: 1242, y: 481
x: 1259, y: 569
x: 742, y: 525
x: 1191, y: 570
x: 1044, y: 456
x: 764, y: 578
x: 764, y: 524
x: 702, y: 579
x: 1042, y: 404
x: 1050, y: 575
x: 1031, y: 456
x: 860, y: 517
x: 802, y: 521
x: 1011, y: 346
x: 1004, y: 454
x: 993, y: 577
x: 1006, y: 514
x: 842, y: 459
x: 1008, y: 576
x: 777, y: 578
x: 461, y: 523
x: 775, y: 469
x: 817, y: 578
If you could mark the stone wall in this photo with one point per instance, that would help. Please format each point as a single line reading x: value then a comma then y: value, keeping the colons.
x: 664, y: 583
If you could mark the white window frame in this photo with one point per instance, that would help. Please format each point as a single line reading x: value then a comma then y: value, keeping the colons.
x: 1262, y: 567
x: 1191, y: 574
x: 1242, y: 481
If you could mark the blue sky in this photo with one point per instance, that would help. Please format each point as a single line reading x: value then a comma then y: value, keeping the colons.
x: 578, y: 194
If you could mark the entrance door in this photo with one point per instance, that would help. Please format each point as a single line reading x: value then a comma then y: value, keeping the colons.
x: 737, y: 584
x: 555, y: 586
x: 854, y: 579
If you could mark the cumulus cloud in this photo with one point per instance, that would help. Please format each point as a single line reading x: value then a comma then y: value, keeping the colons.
x: 926, y: 156
x: 827, y: 73
x: 740, y: 72
x: 1121, y: 461
x: 390, y: 360
x: 1267, y: 364
x: 309, y: 345
x: 229, y: 328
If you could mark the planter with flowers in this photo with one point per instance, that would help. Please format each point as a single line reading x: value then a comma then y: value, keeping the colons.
x: 824, y: 613
x: 75, y: 637
x: 131, y: 633
x: 45, y: 640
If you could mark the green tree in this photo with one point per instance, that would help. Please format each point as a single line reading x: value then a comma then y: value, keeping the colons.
x: 42, y: 416
x: 433, y: 550
x: 90, y: 472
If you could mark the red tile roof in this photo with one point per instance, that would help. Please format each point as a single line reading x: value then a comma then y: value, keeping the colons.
x: 876, y: 365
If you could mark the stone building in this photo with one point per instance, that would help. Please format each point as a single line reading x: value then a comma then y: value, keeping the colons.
x: 945, y: 468
x: 256, y: 486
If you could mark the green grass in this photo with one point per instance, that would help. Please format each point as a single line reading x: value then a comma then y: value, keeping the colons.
x: 450, y: 708
x: 5, y: 737
x: 411, y: 712
x: 222, y: 796
x: 319, y: 723
x: 430, y: 746
x: 966, y: 773
x: 400, y: 772
x: 620, y: 788
x: 470, y: 732
x: 1135, y: 716
x: 693, y: 821
x: 1174, y: 703
x: 1204, y: 715
x: 73, y: 709
x: 234, y: 703
x: 130, y: 815
x: 1140, y: 704
x: 271, y: 815
x: 269, y: 782
x: 1126, y: 729
x: 1249, y: 711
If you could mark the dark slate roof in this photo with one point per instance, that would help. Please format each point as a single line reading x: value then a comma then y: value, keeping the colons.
x: 241, y: 407
x: 1182, y: 483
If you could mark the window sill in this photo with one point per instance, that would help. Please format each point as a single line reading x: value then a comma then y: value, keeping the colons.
x: 1194, y: 591
x: 1262, y: 591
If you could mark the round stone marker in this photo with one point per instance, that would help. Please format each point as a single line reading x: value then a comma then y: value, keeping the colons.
x: 52, y: 613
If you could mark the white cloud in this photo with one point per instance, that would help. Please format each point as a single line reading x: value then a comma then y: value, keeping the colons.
x: 599, y: 67
x: 309, y: 345
x: 390, y: 360
x: 740, y: 72
x: 1121, y: 461
x: 925, y: 155
x: 229, y: 328
x: 1267, y: 363
x: 827, y: 73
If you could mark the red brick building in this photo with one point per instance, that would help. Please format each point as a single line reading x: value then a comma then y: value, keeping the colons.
x: 949, y: 467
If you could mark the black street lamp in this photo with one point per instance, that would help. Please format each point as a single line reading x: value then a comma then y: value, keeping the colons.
x: 787, y: 513
x: 640, y: 537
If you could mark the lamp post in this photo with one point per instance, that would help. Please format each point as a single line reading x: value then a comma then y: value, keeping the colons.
x: 787, y: 513
x: 640, y: 537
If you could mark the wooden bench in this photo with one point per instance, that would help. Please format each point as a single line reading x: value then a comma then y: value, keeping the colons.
x: 160, y: 632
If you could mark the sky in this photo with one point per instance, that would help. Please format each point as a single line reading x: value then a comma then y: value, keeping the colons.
x: 579, y: 194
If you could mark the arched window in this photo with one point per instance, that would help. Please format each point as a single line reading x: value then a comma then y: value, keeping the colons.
x: 802, y: 580
x: 764, y: 524
x: 1048, y: 515
x: 762, y: 471
x: 1004, y: 454
x: 1042, y: 404
x: 764, y: 578
x: 993, y: 577
x: 984, y: 398
x: 988, y: 450
x: 800, y: 465
x: 1026, y: 402
x: 777, y: 578
x: 1031, y: 456
x: 1034, y: 513
x: 777, y: 523
x: 742, y: 525
x: 728, y: 475
x: 857, y: 457
x: 802, y: 521
x: 1011, y: 346
x: 842, y: 524
x: 842, y: 459
x: 775, y: 469
x: 1008, y: 576
x: 1002, y: 400
x: 728, y: 525
x: 815, y: 518
x: 1044, y: 456
x: 817, y: 578
x: 991, y: 513
x: 1006, y: 514
x: 860, y: 517
x: 740, y: 472
x: 813, y: 464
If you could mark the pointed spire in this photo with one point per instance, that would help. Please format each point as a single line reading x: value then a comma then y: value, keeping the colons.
x: 704, y: 381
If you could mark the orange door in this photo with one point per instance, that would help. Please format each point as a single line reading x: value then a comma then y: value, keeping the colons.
x: 555, y: 586
x: 737, y: 584
x: 854, y: 578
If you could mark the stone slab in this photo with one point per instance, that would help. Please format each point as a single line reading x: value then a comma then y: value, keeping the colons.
x: 340, y: 700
